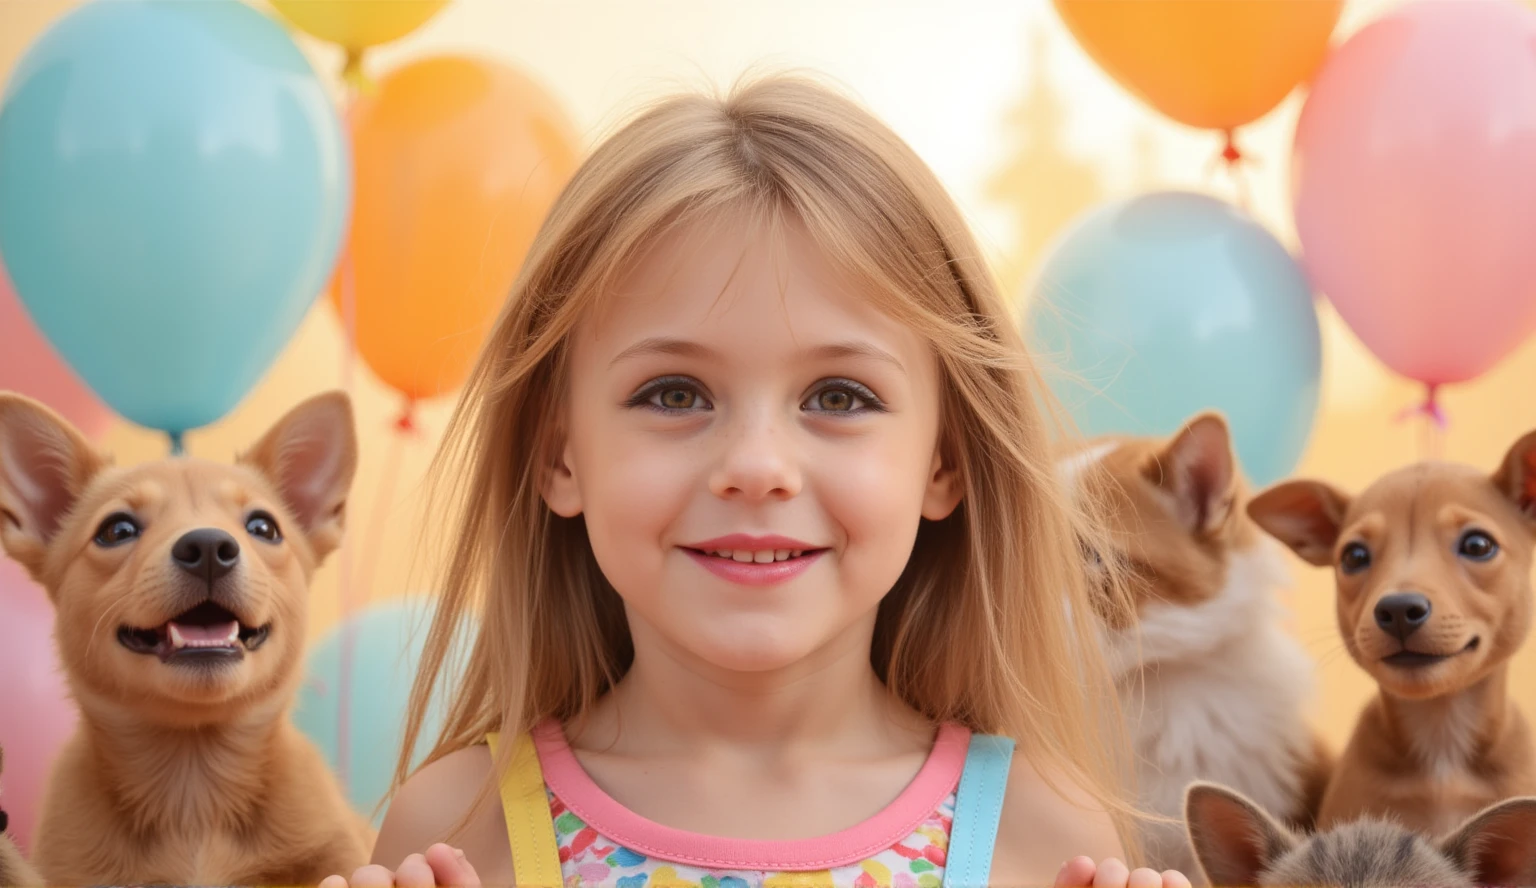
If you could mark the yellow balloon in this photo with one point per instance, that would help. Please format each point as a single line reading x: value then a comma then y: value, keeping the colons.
x: 358, y: 24
x: 1213, y: 64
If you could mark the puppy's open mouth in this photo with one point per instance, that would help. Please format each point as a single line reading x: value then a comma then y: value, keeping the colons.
x: 205, y: 633
x: 1406, y: 659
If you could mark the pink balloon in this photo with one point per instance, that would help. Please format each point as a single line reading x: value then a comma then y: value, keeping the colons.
x: 36, y: 713
x: 29, y: 365
x: 1415, y: 185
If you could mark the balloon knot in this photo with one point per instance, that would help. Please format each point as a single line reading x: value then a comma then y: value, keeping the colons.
x: 1229, y: 153
x: 1430, y: 408
x: 178, y: 445
x: 405, y: 423
x: 352, y: 73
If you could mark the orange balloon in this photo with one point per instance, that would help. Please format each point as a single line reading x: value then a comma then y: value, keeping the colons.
x: 456, y: 161
x: 1213, y: 64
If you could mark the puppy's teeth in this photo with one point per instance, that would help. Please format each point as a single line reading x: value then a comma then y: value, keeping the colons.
x: 780, y: 554
x: 177, y: 642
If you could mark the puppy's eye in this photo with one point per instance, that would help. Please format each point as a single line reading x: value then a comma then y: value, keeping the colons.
x: 1475, y: 545
x: 118, y: 528
x: 263, y: 526
x: 1355, y: 558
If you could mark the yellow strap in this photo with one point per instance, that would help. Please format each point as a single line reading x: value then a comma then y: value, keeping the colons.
x: 535, y: 858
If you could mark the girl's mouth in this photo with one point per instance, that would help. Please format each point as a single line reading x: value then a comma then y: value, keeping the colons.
x: 756, y: 567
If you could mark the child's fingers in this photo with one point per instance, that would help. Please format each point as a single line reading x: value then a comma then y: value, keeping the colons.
x: 1112, y: 874
x: 334, y: 882
x: 1076, y: 873
x: 373, y: 876
x: 414, y: 872
x: 1141, y: 877
x: 1175, y: 879
x: 451, y: 867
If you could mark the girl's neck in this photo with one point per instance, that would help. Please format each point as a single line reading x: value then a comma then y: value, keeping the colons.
x: 670, y: 703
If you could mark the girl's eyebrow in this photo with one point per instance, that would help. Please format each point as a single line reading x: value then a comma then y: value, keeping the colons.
x: 665, y: 345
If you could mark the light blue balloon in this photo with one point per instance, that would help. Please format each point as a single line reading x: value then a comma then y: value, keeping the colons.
x: 388, y: 639
x: 1166, y: 304
x: 174, y: 185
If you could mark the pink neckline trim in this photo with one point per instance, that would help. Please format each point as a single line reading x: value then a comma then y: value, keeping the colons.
x: 938, y: 777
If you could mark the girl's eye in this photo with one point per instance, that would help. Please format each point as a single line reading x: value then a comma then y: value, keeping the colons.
x: 677, y: 398
x: 118, y: 528
x: 842, y: 396
x: 670, y: 395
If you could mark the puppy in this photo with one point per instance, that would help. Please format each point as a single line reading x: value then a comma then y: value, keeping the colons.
x: 1212, y: 686
x: 1432, y: 565
x: 14, y: 872
x: 1239, y: 844
x: 180, y: 592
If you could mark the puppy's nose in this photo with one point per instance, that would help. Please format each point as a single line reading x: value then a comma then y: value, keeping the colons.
x: 207, y: 552
x: 1402, y: 613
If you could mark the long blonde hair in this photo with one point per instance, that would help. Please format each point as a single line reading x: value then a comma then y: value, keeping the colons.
x: 991, y: 624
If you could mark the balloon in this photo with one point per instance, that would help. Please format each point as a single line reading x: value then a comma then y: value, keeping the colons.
x: 1415, y: 185
x: 29, y: 365
x: 356, y: 25
x: 176, y: 184
x: 387, y: 641
x: 1213, y: 64
x: 36, y: 713
x: 1167, y: 304
x: 457, y: 162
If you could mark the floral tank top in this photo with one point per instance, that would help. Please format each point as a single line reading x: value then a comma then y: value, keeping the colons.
x: 602, y: 843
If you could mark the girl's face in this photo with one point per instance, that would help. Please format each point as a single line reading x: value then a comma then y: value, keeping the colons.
x: 752, y: 444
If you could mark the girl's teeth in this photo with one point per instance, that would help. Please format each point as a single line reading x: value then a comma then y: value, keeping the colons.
x: 765, y: 556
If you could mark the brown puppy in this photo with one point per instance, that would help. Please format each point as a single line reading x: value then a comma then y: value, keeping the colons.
x: 1212, y: 685
x: 1433, y: 570
x: 180, y: 588
x: 14, y: 872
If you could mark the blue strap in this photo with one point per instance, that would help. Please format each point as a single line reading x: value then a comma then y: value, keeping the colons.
x: 978, y: 807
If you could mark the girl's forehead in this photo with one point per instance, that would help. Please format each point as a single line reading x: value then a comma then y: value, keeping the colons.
x: 729, y: 275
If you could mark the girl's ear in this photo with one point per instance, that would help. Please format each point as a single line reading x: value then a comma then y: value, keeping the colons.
x: 944, y: 488
x: 561, y: 492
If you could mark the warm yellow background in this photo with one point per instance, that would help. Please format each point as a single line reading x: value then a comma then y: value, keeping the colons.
x: 995, y: 95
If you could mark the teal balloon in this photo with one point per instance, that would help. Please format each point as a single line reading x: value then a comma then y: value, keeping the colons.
x: 174, y: 186
x: 1163, y: 305
x: 387, y: 642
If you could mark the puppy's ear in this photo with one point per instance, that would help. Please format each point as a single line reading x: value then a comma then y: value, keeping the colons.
x: 1516, y: 476
x: 1305, y: 515
x: 311, y: 455
x: 45, y: 464
x: 1497, y: 846
x: 1198, y: 470
x: 1234, y: 839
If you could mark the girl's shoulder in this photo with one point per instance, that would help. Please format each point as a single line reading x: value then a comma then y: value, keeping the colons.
x: 1044, y: 823
x: 431, y: 805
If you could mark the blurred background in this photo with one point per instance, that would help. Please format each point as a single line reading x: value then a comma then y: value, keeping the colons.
x: 1027, y: 129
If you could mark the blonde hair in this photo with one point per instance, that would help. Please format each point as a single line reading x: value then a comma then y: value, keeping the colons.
x: 992, y: 623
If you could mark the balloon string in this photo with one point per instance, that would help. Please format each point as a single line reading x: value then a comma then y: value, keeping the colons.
x: 348, y: 606
x: 383, y: 504
x: 1236, y: 165
x: 1432, y: 439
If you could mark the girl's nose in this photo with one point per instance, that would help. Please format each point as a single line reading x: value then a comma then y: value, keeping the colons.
x: 757, y: 462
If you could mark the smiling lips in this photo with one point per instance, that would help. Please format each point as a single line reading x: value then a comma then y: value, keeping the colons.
x: 754, y: 560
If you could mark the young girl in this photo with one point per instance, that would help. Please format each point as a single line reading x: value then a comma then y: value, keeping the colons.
x: 755, y: 510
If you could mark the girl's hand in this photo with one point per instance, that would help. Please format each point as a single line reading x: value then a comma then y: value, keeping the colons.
x: 441, y: 865
x: 1082, y: 872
